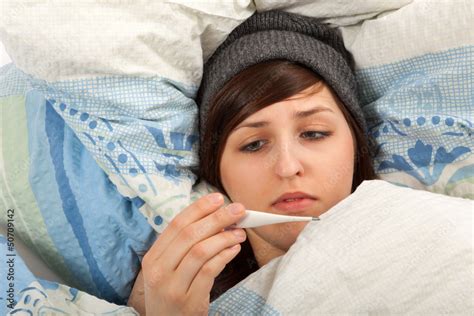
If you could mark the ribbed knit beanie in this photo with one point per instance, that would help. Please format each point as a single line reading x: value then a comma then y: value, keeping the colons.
x: 280, y: 35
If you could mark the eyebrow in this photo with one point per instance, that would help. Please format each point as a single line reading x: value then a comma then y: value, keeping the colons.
x: 296, y: 115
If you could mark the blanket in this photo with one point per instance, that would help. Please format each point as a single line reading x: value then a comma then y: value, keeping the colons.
x: 385, y: 250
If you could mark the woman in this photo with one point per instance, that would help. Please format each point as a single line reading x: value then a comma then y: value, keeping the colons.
x: 281, y: 132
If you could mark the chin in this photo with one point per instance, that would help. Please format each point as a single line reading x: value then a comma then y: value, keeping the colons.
x: 288, y: 233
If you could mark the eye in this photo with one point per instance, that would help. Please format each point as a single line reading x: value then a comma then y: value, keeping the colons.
x: 315, y: 135
x: 253, y: 146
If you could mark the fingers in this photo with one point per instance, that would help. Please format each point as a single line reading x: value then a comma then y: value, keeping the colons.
x: 196, y: 238
x: 197, y: 210
x: 204, y: 280
x: 199, y: 231
x: 203, y: 252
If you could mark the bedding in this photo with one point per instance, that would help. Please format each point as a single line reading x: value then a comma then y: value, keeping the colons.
x: 64, y: 206
x: 27, y: 294
x: 99, y: 128
x: 384, y: 250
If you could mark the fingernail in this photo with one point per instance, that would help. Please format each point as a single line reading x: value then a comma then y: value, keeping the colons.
x: 238, y: 232
x: 234, y: 209
x: 215, y: 198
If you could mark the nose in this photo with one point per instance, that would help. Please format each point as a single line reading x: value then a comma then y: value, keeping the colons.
x: 288, y: 164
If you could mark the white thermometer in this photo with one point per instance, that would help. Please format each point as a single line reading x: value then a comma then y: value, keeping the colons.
x: 254, y: 219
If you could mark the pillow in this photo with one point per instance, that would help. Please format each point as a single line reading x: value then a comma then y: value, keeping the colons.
x: 419, y: 98
x: 384, y: 250
x: 42, y: 297
x: 99, y: 128
x: 64, y: 206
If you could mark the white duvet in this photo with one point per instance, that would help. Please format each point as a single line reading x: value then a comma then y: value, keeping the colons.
x: 384, y: 250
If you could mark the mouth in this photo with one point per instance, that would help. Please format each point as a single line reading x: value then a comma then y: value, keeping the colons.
x: 294, y: 203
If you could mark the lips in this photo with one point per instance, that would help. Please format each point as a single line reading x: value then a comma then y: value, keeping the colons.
x: 294, y: 202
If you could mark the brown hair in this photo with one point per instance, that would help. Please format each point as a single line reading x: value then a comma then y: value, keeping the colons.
x: 249, y: 91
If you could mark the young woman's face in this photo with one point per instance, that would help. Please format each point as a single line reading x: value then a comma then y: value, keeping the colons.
x: 300, y: 145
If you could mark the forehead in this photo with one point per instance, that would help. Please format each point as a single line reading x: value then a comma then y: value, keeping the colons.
x: 320, y: 97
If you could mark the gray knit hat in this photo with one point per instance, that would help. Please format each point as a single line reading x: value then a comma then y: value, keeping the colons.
x: 280, y: 35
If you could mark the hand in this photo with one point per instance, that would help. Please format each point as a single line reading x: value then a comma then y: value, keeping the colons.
x: 180, y: 268
x: 137, y: 296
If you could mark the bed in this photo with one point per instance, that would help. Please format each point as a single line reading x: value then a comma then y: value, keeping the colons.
x: 98, y: 147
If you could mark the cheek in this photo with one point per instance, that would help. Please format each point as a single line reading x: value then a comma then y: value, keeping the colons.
x: 340, y: 168
x: 238, y: 178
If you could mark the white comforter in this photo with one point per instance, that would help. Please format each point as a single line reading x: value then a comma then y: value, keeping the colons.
x: 383, y: 250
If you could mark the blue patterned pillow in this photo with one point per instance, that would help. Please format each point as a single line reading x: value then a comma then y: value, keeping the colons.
x: 64, y: 206
x: 420, y: 112
x: 415, y: 72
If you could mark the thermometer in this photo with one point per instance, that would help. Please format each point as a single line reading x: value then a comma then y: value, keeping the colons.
x: 255, y: 219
